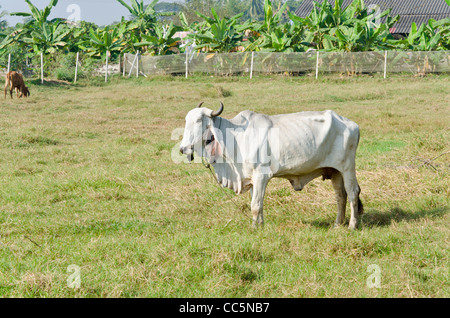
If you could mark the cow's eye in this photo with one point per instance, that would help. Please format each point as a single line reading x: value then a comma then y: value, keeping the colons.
x: 208, y: 141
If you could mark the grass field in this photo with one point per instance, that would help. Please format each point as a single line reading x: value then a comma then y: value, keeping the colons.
x: 87, y: 179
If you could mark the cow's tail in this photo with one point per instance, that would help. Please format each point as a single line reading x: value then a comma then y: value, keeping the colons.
x: 360, y: 207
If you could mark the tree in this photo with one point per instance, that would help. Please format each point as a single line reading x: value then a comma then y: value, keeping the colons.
x: 102, y: 42
x: 216, y: 34
x: 105, y: 40
x: 163, y: 43
x: 36, y: 15
x: 271, y: 34
x: 39, y: 34
x: 144, y: 18
x: 78, y: 36
x: 47, y: 37
x: 346, y: 29
x: 256, y: 9
x: 174, y: 8
x: 3, y: 23
x: 432, y: 36
x: 192, y: 7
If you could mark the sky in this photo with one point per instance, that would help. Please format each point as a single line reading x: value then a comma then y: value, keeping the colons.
x: 101, y: 12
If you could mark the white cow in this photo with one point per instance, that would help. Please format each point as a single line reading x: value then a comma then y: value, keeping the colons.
x: 250, y: 149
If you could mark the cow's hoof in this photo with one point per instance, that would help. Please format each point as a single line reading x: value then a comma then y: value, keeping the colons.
x: 256, y: 225
x: 352, y: 227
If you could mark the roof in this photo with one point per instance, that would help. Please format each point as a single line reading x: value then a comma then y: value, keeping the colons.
x: 418, y: 11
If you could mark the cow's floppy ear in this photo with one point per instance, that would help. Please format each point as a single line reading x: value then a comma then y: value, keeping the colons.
x: 212, y: 145
x: 215, y: 150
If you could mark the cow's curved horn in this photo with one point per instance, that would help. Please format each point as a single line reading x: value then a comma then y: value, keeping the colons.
x: 200, y: 105
x: 217, y: 112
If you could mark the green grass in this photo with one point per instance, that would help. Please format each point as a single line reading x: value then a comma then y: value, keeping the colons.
x: 87, y: 179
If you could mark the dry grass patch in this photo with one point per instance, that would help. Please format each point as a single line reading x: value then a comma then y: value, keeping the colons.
x: 87, y: 174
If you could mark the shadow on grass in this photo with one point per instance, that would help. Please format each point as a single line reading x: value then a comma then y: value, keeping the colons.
x: 61, y: 84
x: 376, y: 218
x: 50, y: 83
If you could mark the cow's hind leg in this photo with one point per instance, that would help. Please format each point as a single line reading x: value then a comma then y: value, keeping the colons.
x: 257, y: 192
x: 353, y: 190
x: 341, y: 196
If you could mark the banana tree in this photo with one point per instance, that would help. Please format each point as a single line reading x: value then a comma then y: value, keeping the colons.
x: 283, y: 38
x: 37, y: 23
x: 346, y: 29
x: 359, y: 37
x: 129, y: 35
x: 432, y: 36
x: 40, y: 38
x: 36, y: 15
x: 218, y: 35
x: 103, y: 42
x: 47, y: 37
x: 145, y: 17
x: 271, y: 18
x: 3, y: 23
x: 78, y: 36
x: 3, y: 51
x: 163, y: 43
x: 271, y: 34
x: 444, y: 25
x: 38, y: 20
x: 256, y: 8
x: 317, y: 25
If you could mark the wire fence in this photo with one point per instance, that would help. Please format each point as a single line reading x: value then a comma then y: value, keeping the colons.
x: 67, y: 67
x: 256, y: 63
x: 262, y: 63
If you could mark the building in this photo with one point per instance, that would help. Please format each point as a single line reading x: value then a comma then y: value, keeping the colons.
x: 418, y: 11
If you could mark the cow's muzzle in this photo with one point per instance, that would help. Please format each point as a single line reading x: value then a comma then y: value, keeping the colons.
x: 189, y: 151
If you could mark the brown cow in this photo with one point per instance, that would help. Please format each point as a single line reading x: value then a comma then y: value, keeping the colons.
x: 15, y: 81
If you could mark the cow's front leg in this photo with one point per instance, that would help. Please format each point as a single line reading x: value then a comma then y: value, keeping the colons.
x: 257, y: 192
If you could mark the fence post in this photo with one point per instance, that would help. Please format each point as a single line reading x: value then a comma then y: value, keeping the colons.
x: 42, y: 68
x: 106, y: 73
x: 251, y: 66
x: 317, y: 65
x: 137, y: 64
x: 385, y: 64
x: 125, y: 60
x: 76, y: 68
x: 9, y: 62
x: 187, y: 62
x: 132, y: 65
